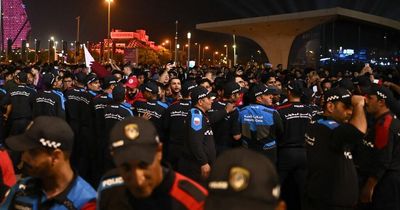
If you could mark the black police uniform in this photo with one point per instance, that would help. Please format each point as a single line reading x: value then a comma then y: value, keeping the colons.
x: 101, y: 136
x: 3, y: 134
x: 331, y: 180
x: 199, y: 145
x: 73, y: 116
x: 226, y: 128
x: 112, y: 115
x: 379, y: 157
x: 21, y: 99
x: 174, y: 125
x: 175, y: 192
x: 156, y: 110
x: 49, y: 103
x: 86, y: 138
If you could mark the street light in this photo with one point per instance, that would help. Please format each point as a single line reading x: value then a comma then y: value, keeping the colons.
x: 226, y: 53
x: 198, y: 55
x: 109, y: 26
x: 189, y: 35
x: 204, y: 48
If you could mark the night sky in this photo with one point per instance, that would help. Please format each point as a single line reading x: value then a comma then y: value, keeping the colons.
x: 157, y: 17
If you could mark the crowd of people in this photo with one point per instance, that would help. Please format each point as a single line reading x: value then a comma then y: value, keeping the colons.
x: 166, y: 137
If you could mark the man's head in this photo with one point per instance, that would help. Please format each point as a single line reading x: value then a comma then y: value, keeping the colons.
x: 187, y: 88
x: 243, y: 179
x: 379, y: 99
x: 93, y: 82
x: 110, y: 82
x: 295, y: 88
x: 263, y: 94
x: 22, y: 77
x: 132, y: 87
x: 48, y: 80
x: 200, y: 97
x: 338, y: 104
x: 206, y: 83
x: 137, y: 153
x: 46, y: 146
x: 175, y: 85
x: 68, y: 81
x: 127, y: 70
x: 150, y: 91
x: 232, y: 91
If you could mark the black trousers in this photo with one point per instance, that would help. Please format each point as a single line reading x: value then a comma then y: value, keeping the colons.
x: 313, y: 204
x: 292, y: 172
x: 387, y: 193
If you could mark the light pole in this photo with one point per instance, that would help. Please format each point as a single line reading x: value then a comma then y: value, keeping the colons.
x: 198, y: 53
x: 109, y: 28
x: 176, y: 42
x: 204, y: 48
x: 170, y: 50
x: 189, y: 35
x: 176, y: 53
x: 226, y: 53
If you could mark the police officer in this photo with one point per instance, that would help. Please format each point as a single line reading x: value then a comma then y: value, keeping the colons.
x: 100, y: 102
x: 227, y: 130
x: 51, y: 184
x: 141, y: 181
x: 174, y: 125
x: 154, y: 108
x: 19, y: 103
x: 73, y: 115
x: 332, y: 180
x: 243, y: 179
x: 261, y: 125
x: 291, y: 149
x: 50, y: 101
x: 200, y: 153
x: 86, y: 133
x: 380, y: 171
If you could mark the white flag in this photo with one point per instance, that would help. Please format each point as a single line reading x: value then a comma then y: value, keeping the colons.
x: 88, y: 58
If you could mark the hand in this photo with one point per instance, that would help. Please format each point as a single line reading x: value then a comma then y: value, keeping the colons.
x: 357, y: 100
x: 146, y: 116
x: 368, y: 190
x: 387, y: 84
x: 230, y: 107
x: 205, y: 170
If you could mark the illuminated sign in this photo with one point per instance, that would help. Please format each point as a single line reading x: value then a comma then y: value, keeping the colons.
x: 123, y: 35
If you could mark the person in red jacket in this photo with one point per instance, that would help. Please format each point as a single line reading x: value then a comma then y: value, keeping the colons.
x: 7, y: 175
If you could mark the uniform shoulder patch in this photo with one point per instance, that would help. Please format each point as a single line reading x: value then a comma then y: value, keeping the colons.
x: 192, y: 190
x: 329, y: 123
x: 196, y: 121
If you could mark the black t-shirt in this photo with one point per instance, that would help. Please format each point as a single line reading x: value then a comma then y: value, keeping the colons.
x: 331, y: 177
x: 21, y: 99
x: 226, y: 128
x: 295, y: 118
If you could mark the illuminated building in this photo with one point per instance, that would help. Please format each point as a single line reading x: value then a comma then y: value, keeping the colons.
x: 14, y: 23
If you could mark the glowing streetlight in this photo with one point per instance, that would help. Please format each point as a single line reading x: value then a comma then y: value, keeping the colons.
x: 189, y: 35
x: 109, y: 25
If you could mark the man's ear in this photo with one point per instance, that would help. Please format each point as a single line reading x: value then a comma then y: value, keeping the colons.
x: 159, y: 152
x: 330, y: 107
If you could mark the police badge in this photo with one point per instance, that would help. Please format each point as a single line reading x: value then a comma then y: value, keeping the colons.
x: 239, y: 178
x: 131, y: 131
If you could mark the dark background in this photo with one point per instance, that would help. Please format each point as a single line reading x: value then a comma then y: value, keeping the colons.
x: 57, y: 17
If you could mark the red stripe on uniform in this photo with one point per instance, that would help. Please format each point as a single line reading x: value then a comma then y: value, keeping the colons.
x: 382, y: 132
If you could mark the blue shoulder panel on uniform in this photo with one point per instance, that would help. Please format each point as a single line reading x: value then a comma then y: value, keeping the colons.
x: 109, y: 95
x: 31, y: 88
x: 196, y: 122
x: 162, y: 104
x: 127, y: 107
x: 2, y: 90
x: 92, y: 92
x: 328, y: 123
x: 59, y: 93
